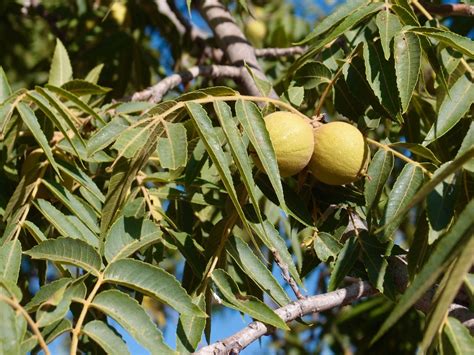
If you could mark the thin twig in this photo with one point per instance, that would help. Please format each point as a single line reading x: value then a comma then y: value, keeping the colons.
x: 422, y: 9
x: 154, y: 120
x: 156, y: 92
x: 181, y: 104
x: 326, y: 91
x: 353, y: 217
x: 275, y: 52
x: 286, y: 275
x: 399, y: 155
x: 13, y: 302
x: 330, y: 300
x: 77, y: 329
x: 445, y: 10
x: 279, y: 52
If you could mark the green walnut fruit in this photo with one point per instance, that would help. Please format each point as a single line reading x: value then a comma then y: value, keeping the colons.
x: 119, y: 12
x: 259, y: 12
x: 292, y: 140
x: 340, y: 154
x: 255, y: 31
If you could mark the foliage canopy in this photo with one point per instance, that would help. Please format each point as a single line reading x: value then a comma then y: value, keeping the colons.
x: 124, y: 208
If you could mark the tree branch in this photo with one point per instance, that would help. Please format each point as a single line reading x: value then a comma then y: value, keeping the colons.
x: 165, y: 10
x: 232, y: 41
x: 319, y: 303
x: 286, y: 275
x: 156, y: 92
x: 445, y: 10
x: 292, y: 311
x: 398, y: 268
x: 195, y: 33
x: 13, y: 302
x: 279, y: 52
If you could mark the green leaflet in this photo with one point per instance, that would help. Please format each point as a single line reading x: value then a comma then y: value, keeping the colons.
x: 379, y: 170
x: 80, y: 209
x: 355, y: 17
x: 77, y: 101
x: 30, y: 120
x: 69, y: 251
x: 334, y: 18
x: 407, y: 54
x: 5, y: 90
x: 247, y: 304
x: 312, y: 74
x: 103, y: 335
x: 67, y: 226
x: 190, y: 328
x: 326, y: 246
x: 131, y: 316
x: 84, y: 88
x: 252, y: 122
x: 152, y: 280
x: 452, y: 109
x: 211, y: 141
x: 173, y: 150
x: 61, y: 70
x: 381, y: 76
x: 57, y: 306
x: 256, y: 270
x: 12, y: 329
x: 406, y: 186
x: 445, y: 294
x: 388, y: 25
x: 127, y: 235
x: 344, y: 262
x: 10, y: 259
x: 440, y: 205
x: 456, y: 338
x: 460, y: 43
